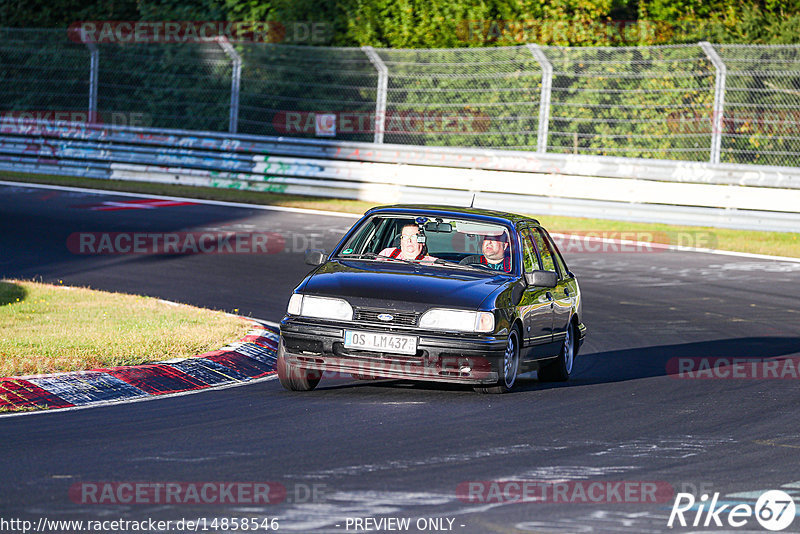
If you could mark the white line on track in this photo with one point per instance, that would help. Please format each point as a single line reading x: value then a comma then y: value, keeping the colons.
x: 354, y: 216
x: 663, y: 246
x: 182, y: 199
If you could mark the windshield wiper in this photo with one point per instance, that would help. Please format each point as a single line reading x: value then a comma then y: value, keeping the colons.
x: 365, y: 256
x: 412, y: 262
x: 437, y: 261
x: 371, y: 256
x: 479, y: 266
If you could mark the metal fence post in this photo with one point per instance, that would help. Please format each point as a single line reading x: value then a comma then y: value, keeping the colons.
x: 544, y: 96
x: 94, y: 71
x: 383, y: 85
x: 719, y: 99
x: 236, y: 77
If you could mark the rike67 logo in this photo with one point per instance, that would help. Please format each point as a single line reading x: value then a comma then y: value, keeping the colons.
x: 774, y: 510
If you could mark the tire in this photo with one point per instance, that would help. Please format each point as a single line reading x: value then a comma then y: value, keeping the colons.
x: 561, y: 368
x: 510, y: 367
x: 293, y: 377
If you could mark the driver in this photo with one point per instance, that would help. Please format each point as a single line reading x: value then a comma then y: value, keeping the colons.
x: 495, y: 253
x: 410, y: 248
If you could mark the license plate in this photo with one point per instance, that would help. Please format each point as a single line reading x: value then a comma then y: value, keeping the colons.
x: 380, y: 342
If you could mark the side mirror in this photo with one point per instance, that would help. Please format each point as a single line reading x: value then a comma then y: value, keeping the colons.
x: 542, y: 278
x: 315, y: 256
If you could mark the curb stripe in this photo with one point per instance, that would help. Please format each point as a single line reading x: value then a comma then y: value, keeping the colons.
x: 250, y: 358
x: 16, y: 394
x: 210, y: 373
x: 156, y: 379
x: 88, y: 387
x: 244, y: 365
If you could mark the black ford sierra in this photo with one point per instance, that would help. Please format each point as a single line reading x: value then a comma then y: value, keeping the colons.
x: 436, y: 293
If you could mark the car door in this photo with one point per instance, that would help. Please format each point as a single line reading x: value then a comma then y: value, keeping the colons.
x: 562, y: 294
x: 536, y: 305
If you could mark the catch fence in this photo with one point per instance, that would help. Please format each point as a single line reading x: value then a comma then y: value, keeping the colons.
x: 704, y: 102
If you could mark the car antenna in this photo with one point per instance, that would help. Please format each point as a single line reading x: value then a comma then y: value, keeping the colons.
x: 471, y: 204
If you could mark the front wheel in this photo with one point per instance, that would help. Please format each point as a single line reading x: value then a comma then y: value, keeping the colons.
x: 509, y: 367
x: 561, y: 368
x: 293, y: 377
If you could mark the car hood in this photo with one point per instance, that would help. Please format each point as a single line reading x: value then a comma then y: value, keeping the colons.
x: 402, y: 286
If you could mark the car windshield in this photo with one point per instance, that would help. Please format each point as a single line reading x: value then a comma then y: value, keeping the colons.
x: 435, y: 240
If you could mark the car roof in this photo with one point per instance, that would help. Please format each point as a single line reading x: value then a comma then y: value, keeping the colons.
x: 429, y: 209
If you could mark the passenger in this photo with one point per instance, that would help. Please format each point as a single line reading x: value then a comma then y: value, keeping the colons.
x: 496, y: 254
x: 410, y: 248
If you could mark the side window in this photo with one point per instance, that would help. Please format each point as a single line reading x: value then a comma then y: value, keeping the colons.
x: 529, y: 260
x: 548, y: 264
x: 378, y: 234
x: 562, y: 265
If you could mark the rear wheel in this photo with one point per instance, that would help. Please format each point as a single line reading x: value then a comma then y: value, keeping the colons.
x: 294, y: 377
x: 561, y: 368
x: 509, y: 366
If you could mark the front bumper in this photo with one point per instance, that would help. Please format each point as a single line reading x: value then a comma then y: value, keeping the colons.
x: 440, y: 357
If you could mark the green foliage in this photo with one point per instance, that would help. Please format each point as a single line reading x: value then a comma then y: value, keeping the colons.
x: 654, y: 103
x: 458, y: 23
x: 61, y: 13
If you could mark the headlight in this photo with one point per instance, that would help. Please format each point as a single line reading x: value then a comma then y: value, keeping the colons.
x: 461, y: 320
x: 323, y: 307
x: 295, y: 304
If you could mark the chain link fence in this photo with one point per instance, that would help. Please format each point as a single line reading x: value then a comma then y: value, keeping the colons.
x: 285, y: 87
x: 473, y: 97
x: 761, y: 118
x: 165, y: 85
x: 631, y: 101
x: 718, y: 103
x: 42, y: 70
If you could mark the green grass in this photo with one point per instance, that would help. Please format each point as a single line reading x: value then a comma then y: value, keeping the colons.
x: 48, y: 328
x: 771, y: 243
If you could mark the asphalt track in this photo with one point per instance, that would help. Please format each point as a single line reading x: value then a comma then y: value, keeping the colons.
x: 397, y: 449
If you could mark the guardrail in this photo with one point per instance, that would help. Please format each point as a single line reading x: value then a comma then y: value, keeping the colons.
x: 689, y: 193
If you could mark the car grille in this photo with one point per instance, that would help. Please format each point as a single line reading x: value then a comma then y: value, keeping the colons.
x: 398, y: 318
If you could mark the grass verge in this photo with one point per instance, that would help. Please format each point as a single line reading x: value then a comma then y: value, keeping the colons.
x: 771, y: 243
x: 46, y: 328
